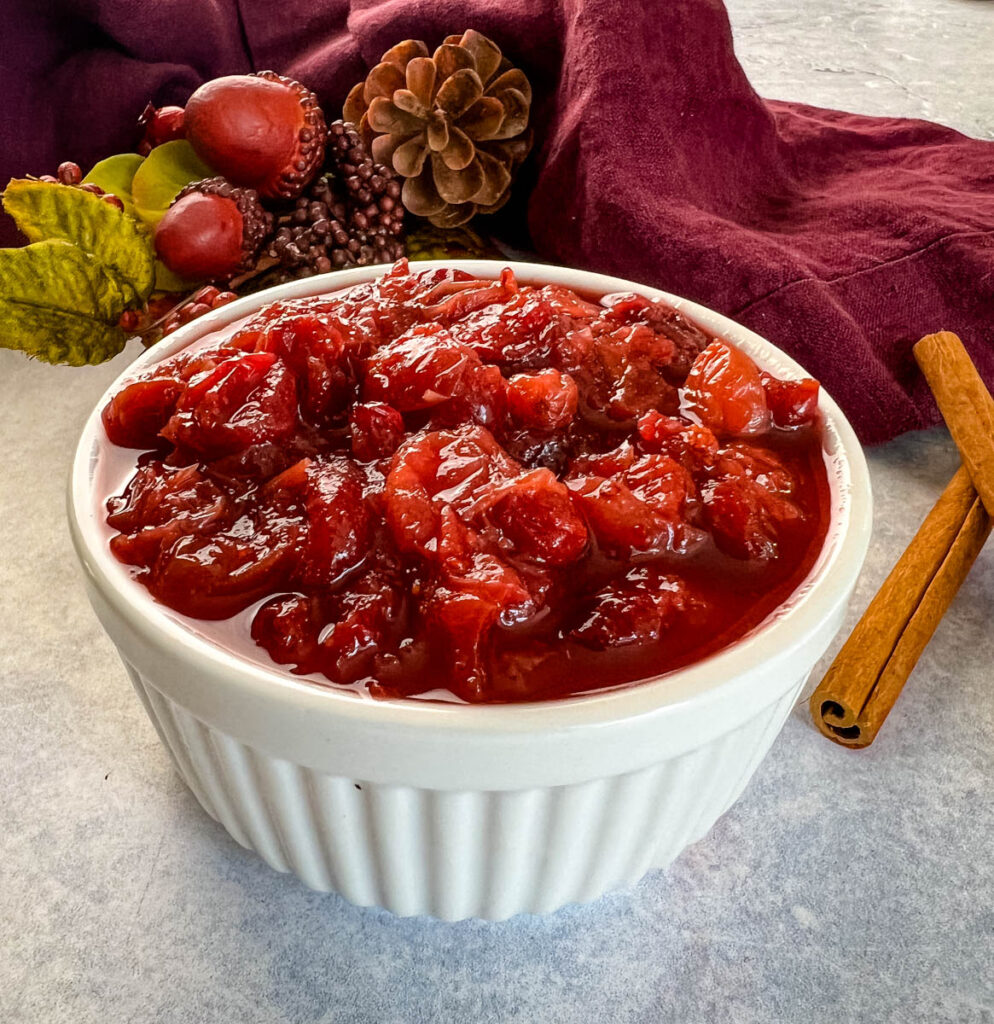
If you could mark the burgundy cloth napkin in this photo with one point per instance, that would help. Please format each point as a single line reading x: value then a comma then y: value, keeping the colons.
x: 841, y: 238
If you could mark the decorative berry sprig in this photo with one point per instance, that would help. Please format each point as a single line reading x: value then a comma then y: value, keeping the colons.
x: 72, y: 174
x: 245, y: 186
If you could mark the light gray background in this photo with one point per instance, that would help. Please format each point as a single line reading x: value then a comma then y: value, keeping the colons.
x: 844, y: 886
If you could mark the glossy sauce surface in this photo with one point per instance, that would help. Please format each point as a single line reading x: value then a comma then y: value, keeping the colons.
x: 470, y: 488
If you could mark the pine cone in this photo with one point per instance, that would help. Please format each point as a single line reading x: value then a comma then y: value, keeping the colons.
x: 454, y: 125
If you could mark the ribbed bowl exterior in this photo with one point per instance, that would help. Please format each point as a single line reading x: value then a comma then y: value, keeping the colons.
x: 458, y: 854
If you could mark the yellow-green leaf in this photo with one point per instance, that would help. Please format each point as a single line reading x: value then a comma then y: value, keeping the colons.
x: 59, y: 304
x: 57, y: 337
x: 115, y: 174
x: 46, y: 211
x: 55, y: 273
x: 162, y: 175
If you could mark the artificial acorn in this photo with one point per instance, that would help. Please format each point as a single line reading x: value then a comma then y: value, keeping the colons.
x: 212, y: 231
x: 262, y: 131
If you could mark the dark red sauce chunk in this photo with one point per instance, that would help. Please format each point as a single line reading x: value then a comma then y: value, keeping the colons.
x: 505, y: 491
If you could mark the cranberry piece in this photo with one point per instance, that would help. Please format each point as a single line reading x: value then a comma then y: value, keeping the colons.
x: 467, y: 566
x: 339, y: 523
x: 465, y: 475
x: 216, y: 576
x: 419, y: 370
x: 256, y: 463
x: 641, y: 387
x: 161, y: 504
x: 662, y: 483
x: 187, y: 365
x: 361, y: 623
x: 725, y: 390
x: 623, y: 375
x: 611, y: 463
x: 745, y: 505
x: 637, y: 609
x: 458, y: 623
x: 455, y: 468
x: 377, y: 430
x: 536, y: 516
x: 427, y: 367
x: 694, y: 447
x: 793, y: 403
x: 760, y: 464
x: 289, y: 487
x: 741, y: 519
x: 338, y: 634
x: 687, y: 339
x: 450, y: 300
x: 544, y: 401
x: 242, y: 401
x: 288, y: 629
x: 460, y: 612
x: 319, y: 356
x: 136, y: 414
x: 643, y: 507
x: 622, y: 523
x: 531, y: 329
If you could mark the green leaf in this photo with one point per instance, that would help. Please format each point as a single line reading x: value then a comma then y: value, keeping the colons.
x: 43, y: 210
x: 115, y: 174
x: 164, y: 172
x: 59, y: 304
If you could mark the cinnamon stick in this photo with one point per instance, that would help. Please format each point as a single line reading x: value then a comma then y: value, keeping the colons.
x: 965, y: 403
x: 864, y: 681
x: 867, y: 676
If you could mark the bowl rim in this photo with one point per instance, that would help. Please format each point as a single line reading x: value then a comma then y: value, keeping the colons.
x: 784, y: 631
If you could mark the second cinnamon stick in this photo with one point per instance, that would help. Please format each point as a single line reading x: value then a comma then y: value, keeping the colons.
x: 858, y: 691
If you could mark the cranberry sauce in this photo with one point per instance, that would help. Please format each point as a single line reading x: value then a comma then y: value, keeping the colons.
x: 500, y: 492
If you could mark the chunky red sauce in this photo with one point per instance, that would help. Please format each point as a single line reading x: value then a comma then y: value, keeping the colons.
x: 508, y: 492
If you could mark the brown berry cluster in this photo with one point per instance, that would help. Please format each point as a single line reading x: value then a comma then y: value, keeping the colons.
x: 351, y: 216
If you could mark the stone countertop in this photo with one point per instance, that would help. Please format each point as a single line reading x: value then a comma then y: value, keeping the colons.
x: 843, y: 886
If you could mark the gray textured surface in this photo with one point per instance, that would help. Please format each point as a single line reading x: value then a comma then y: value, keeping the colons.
x: 842, y: 887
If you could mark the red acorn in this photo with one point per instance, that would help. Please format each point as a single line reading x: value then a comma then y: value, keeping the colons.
x: 158, y: 125
x: 263, y: 131
x: 212, y: 231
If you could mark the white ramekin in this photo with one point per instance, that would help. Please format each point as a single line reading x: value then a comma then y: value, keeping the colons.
x: 471, y: 811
